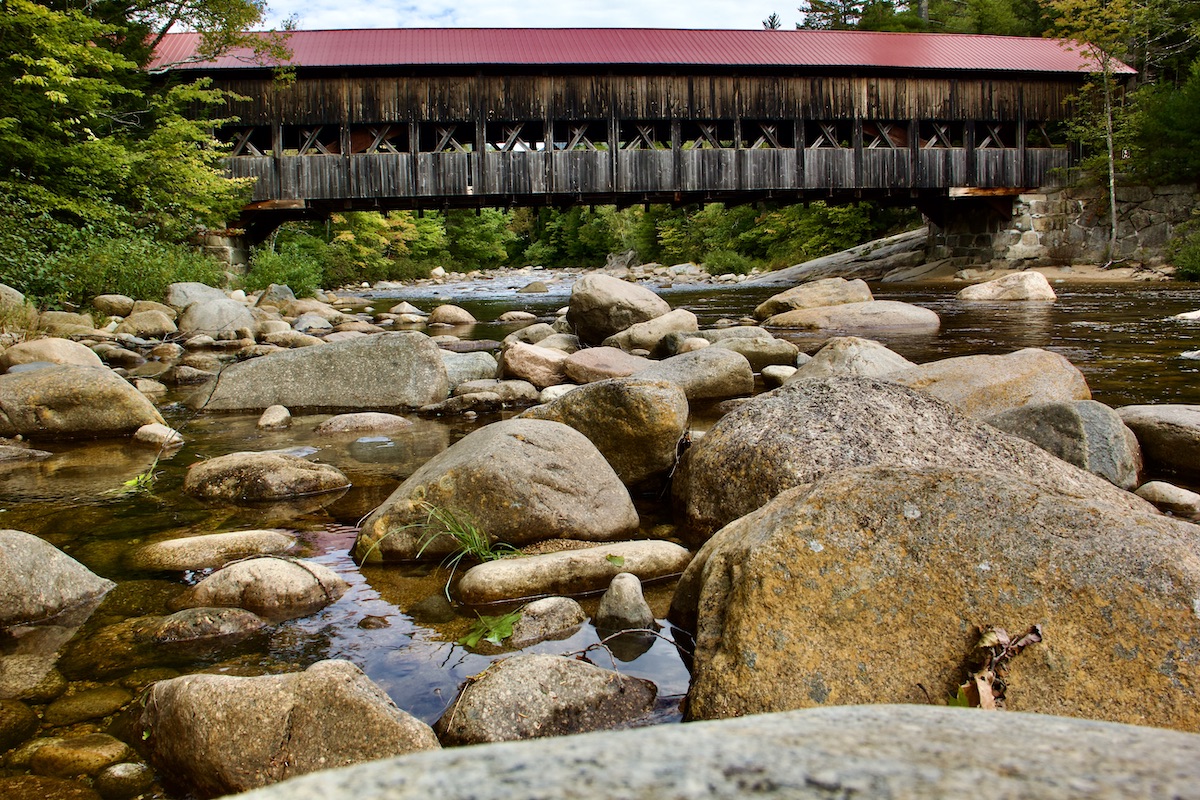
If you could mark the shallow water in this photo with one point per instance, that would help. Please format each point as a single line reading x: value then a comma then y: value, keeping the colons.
x: 1119, y: 336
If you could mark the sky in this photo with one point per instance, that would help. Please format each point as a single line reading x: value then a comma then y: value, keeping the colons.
x: 322, y: 14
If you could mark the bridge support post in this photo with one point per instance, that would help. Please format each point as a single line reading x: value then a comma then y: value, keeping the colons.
x: 232, y: 251
x: 965, y: 229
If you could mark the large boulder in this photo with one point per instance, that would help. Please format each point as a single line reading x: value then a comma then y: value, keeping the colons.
x: 51, y: 350
x: 541, y: 366
x: 884, y: 751
x: 1028, y: 285
x: 450, y: 315
x: 811, y: 428
x: 1085, y: 433
x: 1169, y: 435
x: 709, y: 374
x: 985, y: 385
x: 824, y: 292
x: 519, y: 481
x: 870, y: 315
x: 260, y: 477
x: 388, y: 370
x: 601, y: 305
x: 181, y: 295
x: 762, y: 351
x: 815, y: 598
x: 218, y: 734
x: 636, y: 424
x: 851, y: 355
x: 531, y: 696
x: 600, y: 363
x: 273, y: 588
x: 38, y: 581
x: 147, y: 325
x: 646, y: 335
x: 570, y: 572
x: 216, y: 316
x: 465, y: 367
x: 69, y: 401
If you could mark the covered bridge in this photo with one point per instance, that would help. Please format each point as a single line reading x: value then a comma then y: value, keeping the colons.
x: 434, y: 118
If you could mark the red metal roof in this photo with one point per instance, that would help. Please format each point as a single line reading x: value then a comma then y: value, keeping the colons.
x: 432, y: 47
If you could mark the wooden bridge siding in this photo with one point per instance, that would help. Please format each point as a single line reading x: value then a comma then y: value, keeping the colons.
x: 617, y: 100
x: 310, y: 101
x: 581, y: 172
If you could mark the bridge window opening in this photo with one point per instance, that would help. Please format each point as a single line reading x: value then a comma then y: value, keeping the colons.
x: 247, y: 141
x: 515, y: 137
x: 319, y: 140
x: 768, y: 135
x: 1046, y: 134
x: 447, y: 137
x: 706, y: 135
x: 379, y: 139
x: 995, y: 135
x: 587, y: 136
x: 882, y: 135
x: 836, y: 134
x: 941, y: 135
x: 645, y: 136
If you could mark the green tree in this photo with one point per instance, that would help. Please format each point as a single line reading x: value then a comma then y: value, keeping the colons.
x: 1169, y: 132
x: 478, y: 240
x: 89, y: 147
x: 1102, y: 31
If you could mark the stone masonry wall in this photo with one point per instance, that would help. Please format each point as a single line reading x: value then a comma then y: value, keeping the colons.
x: 1064, y: 226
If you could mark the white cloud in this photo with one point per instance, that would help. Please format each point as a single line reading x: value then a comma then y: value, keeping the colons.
x: 324, y: 14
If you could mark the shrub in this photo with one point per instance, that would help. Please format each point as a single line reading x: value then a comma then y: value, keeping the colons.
x: 1185, y: 253
x: 130, y: 265
x: 722, y: 262
x: 294, y: 265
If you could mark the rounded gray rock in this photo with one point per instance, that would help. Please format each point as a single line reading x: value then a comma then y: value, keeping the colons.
x: 810, y: 428
x: 894, y: 751
x: 519, y: 481
x: 70, y: 401
x: 330, y: 715
x: 386, y: 370
x: 532, y: 696
x: 259, y: 477
x: 1169, y: 435
x: 38, y: 581
x: 1085, y: 433
x: 273, y: 588
x: 636, y: 424
x: 601, y: 305
x: 623, y: 607
x: 709, y: 374
x: 548, y: 618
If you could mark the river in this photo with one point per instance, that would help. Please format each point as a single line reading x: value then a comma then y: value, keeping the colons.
x: 1120, y: 336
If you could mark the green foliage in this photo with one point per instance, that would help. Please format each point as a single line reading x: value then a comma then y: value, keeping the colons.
x: 132, y: 265
x: 723, y: 262
x: 90, y: 149
x: 477, y: 241
x: 1169, y: 131
x: 1184, y: 252
x: 491, y: 629
x: 292, y: 263
x: 469, y: 541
